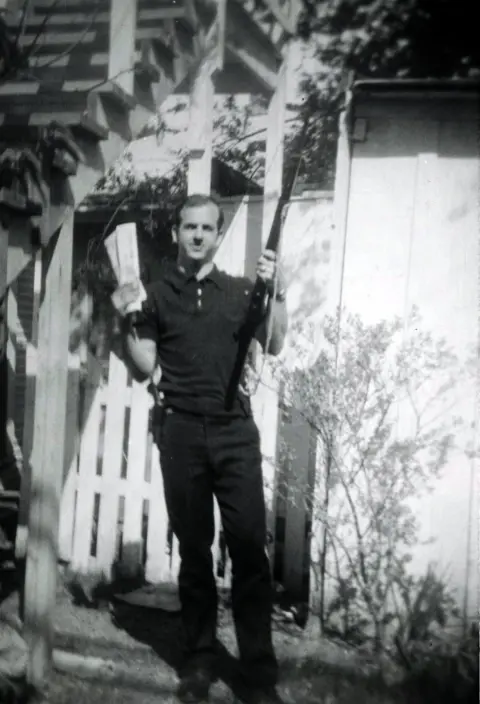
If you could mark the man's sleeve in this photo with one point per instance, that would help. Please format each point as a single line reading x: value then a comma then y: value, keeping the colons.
x: 146, y: 323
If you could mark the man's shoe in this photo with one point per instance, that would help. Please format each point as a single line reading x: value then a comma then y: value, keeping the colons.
x: 194, y: 687
x: 268, y: 695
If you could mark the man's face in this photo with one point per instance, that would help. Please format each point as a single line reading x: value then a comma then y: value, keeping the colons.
x: 198, y: 236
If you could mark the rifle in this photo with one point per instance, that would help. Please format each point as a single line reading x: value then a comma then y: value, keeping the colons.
x: 259, y: 294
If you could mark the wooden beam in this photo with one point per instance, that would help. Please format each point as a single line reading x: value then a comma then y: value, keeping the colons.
x: 28, y: 423
x: 46, y: 460
x: 248, y: 44
x: 202, y: 97
x: 121, y: 55
x: 264, y: 75
x: 287, y: 22
x: 200, y: 132
x: 21, y: 250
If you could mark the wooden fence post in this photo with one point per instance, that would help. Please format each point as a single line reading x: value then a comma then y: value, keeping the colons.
x: 47, y: 452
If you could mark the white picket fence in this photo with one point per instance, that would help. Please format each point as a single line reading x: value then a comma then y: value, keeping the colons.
x: 113, y: 501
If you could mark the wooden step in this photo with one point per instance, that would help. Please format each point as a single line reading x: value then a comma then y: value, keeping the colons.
x: 8, y: 495
x: 24, y: 113
x: 7, y: 567
x: 7, y: 548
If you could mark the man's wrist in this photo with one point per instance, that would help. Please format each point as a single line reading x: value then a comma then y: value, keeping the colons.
x: 127, y: 324
x: 279, y: 295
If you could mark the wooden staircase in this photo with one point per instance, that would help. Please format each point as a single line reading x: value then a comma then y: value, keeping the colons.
x: 10, y: 480
x: 9, y: 504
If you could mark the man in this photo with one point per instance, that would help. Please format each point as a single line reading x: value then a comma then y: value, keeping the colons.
x: 191, y: 323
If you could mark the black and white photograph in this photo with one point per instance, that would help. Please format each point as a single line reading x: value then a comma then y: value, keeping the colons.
x: 239, y: 351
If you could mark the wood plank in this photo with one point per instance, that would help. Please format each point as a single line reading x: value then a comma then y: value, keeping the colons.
x: 156, y: 568
x: 61, y: 39
x: 232, y: 253
x: 12, y: 324
x: 296, y: 434
x: 200, y: 131
x: 47, y: 453
x: 82, y: 528
x: 137, y: 450
x: 202, y: 97
x: 20, y: 252
x: 72, y: 443
x: 29, y: 412
x: 251, y: 46
x: 266, y: 78
x: 287, y: 21
x: 121, y: 59
x: 221, y: 32
x: 69, y: 19
x: 112, y: 484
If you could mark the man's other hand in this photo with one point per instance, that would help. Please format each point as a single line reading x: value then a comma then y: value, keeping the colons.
x: 125, y: 296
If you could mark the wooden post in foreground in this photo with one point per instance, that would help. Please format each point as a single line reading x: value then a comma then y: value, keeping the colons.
x: 46, y: 460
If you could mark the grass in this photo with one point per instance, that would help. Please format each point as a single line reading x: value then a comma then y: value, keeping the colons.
x: 314, y: 689
x: 146, y: 645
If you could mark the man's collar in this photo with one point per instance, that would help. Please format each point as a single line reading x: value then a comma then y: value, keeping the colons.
x: 179, y: 279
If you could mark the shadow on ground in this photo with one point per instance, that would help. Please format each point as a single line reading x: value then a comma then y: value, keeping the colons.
x: 162, y: 632
x: 314, y: 670
x: 152, y: 619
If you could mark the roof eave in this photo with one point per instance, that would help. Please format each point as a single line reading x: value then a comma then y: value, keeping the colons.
x: 432, y: 87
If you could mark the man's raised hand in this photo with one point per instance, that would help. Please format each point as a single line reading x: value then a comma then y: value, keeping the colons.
x: 125, y: 296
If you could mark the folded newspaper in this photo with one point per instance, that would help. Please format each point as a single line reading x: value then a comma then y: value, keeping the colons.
x: 122, y: 250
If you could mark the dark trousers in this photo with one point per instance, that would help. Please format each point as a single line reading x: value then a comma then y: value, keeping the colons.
x: 200, y: 458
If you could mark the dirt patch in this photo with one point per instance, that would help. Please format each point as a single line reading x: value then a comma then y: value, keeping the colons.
x: 145, y: 647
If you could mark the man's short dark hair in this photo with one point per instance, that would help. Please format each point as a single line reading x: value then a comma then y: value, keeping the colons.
x: 196, y: 200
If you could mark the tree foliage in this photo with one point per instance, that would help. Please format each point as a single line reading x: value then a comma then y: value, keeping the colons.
x: 379, y: 39
x: 381, y: 400
x: 394, y: 38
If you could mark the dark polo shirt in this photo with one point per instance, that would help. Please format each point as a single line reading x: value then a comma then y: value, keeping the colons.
x: 196, y: 326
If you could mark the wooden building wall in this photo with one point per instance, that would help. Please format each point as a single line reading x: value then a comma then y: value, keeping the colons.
x: 408, y: 196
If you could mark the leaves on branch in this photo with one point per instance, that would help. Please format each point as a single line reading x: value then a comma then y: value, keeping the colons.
x: 379, y: 398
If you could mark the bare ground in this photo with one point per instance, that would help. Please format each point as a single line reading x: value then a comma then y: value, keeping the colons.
x: 143, y: 650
